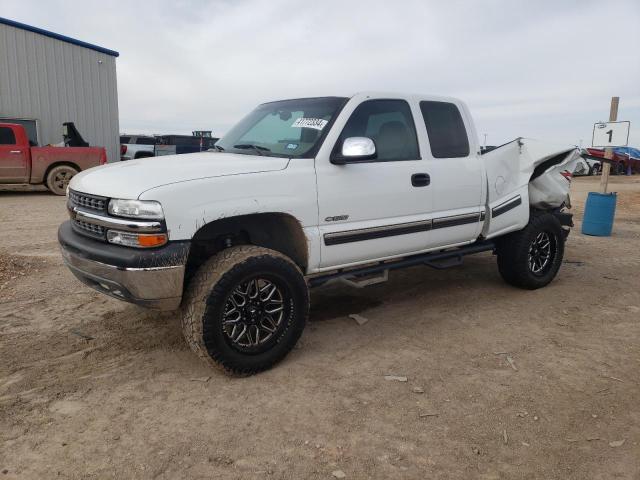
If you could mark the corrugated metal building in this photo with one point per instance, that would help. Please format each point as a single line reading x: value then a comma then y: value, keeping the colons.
x: 47, y: 79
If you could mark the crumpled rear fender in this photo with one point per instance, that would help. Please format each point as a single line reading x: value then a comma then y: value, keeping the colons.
x: 545, y: 167
x: 525, y: 174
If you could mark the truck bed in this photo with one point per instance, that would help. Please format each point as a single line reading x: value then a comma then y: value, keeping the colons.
x: 80, y: 157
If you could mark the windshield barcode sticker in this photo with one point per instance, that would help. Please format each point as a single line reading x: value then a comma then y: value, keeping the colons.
x: 315, y: 123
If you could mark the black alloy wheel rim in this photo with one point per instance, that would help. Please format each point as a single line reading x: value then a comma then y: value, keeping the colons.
x: 255, y: 314
x: 541, y: 252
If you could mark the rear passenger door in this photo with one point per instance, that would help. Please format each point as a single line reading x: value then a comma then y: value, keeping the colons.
x: 376, y: 208
x: 456, y: 175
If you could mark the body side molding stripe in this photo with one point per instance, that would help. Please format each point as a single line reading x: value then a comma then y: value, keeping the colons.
x: 506, y: 206
x: 455, y: 220
x: 349, y: 236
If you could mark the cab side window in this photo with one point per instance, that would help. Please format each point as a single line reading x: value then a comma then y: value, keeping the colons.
x: 389, y: 124
x: 447, y: 135
x: 7, y: 137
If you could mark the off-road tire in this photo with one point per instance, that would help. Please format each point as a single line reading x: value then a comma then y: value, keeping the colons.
x: 59, y: 177
x: 514, y: 250
x: 209, y: 290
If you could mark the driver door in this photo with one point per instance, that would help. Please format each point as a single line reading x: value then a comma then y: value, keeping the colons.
x: 377, y: 208
x: 13, y: 158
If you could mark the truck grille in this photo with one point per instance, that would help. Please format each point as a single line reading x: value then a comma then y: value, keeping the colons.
x: 89, y: 229
x: 90, y: 218
x: 89, y: 202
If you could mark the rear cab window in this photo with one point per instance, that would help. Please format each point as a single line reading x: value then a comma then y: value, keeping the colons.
x: 447, y: 134
x: 125, y: 139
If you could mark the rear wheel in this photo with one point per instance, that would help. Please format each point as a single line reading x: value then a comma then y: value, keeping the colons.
x: 59, y: 177
x: 245, y: 309
x: 531, y: 258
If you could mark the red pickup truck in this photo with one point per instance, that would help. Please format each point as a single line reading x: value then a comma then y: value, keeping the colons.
x: 22, y: 163
x: 619, y: 162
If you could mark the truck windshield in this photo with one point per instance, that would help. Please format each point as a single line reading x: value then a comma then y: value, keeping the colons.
x: 288, y: 128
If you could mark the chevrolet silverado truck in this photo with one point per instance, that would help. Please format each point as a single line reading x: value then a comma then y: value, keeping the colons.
x: 306, y: 191
x: 22, y: 163
x: 136, y: 146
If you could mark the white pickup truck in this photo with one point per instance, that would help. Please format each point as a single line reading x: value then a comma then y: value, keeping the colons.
x: 304, y: 191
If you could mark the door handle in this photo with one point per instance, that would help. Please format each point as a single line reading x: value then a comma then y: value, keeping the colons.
x: 15, y: 151
x: 420, y: 179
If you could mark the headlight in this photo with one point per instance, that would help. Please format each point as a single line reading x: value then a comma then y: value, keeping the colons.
x: 144, y: 209
x: 140, y: 240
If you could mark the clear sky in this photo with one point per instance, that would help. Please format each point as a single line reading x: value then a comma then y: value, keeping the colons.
x: 541, y: 69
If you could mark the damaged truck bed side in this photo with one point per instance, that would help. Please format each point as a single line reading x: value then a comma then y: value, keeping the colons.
x: 305, y: 191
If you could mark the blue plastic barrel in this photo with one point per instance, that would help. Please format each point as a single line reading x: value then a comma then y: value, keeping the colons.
x: 598, y: 214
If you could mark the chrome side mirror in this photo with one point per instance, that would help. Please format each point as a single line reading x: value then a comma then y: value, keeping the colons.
x: 355, y: 149
x: 358, y: 148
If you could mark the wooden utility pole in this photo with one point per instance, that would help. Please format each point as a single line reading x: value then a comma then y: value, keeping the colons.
x: 608, y: 152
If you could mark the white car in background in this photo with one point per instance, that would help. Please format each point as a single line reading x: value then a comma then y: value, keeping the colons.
x: 586, y: 167
x: 137, y: 146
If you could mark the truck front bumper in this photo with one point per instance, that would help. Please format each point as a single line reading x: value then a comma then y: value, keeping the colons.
x: 151, y: 278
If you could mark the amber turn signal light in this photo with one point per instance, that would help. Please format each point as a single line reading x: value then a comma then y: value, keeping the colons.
x: 155, y: 240
x: 139, y: 240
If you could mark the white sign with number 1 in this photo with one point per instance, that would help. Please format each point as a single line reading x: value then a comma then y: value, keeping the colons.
x: 611, y: 134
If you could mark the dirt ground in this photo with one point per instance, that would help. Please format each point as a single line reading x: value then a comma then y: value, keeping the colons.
x: 502, y: 383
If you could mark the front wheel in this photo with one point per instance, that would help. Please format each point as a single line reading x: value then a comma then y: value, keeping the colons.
x: 59, y: 177
x: 531, y: 257
x: 245, y: 309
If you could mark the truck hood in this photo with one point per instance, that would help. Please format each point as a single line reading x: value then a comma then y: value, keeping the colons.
x: 131, y: 178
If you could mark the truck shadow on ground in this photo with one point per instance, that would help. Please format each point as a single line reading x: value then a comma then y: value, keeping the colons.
x: 337, y: 299
x: 6, y: 191
x: 136, y: 330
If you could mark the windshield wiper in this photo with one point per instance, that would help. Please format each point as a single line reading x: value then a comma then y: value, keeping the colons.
x: 219, y: 148
x: 248, y: 146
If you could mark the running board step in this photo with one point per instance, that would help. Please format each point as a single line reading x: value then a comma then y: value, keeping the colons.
x: 445, y: 263
x: 442, y: 259
x: 361, y: 281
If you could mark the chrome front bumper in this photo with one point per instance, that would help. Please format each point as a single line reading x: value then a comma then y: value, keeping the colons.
x: 158, y: 288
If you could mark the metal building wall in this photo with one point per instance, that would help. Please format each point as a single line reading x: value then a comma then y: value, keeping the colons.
x: 53, y: 81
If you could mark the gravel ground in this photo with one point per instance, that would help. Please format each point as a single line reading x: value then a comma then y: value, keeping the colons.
x: 502, y: 383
